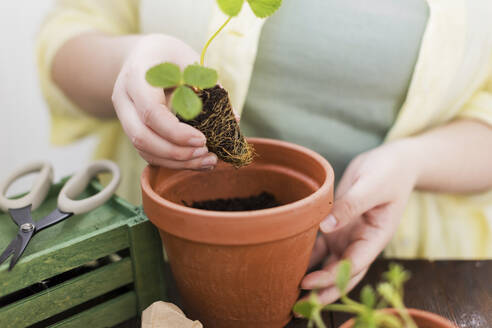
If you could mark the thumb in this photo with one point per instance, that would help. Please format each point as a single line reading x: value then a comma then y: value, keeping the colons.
x: 348, y: 207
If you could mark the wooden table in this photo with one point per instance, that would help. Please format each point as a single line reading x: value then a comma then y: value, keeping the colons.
x: 458, y: 290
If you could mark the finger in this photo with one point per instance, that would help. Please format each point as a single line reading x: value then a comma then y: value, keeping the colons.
x: 319, y: 252
x: 331, y: 294
x: 236, y: 115
x: 321, y: 278
x: 149, y: 102
x: 346, y: 182
x: 365, y: 250
x: 361, y: 253
x: 359, y: 199
x: 146, y: 140
x: 348, y: 179
x: 206, y: 162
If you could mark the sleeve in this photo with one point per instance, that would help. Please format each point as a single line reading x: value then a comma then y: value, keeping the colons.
x: 479, y: 106
x: 68, y: 19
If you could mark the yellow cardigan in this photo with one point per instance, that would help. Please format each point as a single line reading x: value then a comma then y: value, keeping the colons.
x: 452, y: 79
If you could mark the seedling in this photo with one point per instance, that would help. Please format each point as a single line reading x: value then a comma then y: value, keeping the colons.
x: 185, y: 101
x: 199, y: 102
x: 368, y: 312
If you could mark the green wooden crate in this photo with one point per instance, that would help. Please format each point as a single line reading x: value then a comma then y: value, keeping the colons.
x: 69, y: 275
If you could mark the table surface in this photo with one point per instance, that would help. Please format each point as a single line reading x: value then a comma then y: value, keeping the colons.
x: 458, y: 290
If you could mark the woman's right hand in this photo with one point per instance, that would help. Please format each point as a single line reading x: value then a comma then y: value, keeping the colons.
x: 143, y: 110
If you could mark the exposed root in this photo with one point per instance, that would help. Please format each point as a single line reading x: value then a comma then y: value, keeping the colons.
x: 217, y: 122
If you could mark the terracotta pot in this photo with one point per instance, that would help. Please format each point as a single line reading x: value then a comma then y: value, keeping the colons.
x: 423, y: 319
x: 241, y: 269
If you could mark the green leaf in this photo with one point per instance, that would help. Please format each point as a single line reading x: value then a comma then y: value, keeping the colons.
x: 366, y: 319
x: 264, y: 8
x: 308, y: 308
x: 397, y: 276
x: 230, y: 7
x: 388, y: 292
x: 343, y: 276
x: 304, y: 308
x: 164, y: 75
x: 186, y: 103
x: 200, y: 77
x: 368, y: 296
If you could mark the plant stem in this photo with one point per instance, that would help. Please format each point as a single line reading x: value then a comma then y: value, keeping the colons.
x: 346, y: 300
x: 318, y: 320
x: 386, y: 320
x: 202, y: 57
x: 402, y: 311
x: 409, y: 323
x: 341, y: 308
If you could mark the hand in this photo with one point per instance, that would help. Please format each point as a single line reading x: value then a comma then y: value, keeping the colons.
x: 144, y: 111
x: 369, y: 202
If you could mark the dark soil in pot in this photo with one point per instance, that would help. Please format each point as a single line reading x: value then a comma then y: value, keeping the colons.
x: 256, y: 202
x: 218, y: 123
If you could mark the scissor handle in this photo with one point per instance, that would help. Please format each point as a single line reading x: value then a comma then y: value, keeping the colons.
x: 39, y: 189
x: 79, y: 182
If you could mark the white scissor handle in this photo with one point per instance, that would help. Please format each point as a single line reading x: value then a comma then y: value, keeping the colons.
x: 39, y: 189
x: 79, y: 182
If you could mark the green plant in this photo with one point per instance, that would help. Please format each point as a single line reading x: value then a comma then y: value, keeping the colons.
x: 185, y: 101
x: 368, y: 311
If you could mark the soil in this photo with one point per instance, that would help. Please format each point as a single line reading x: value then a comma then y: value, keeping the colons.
x: 259, y: 202
x: 219, y: 125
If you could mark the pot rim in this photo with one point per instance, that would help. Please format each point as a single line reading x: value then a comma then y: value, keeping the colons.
x: 249, y: 215
x: 414, y: 313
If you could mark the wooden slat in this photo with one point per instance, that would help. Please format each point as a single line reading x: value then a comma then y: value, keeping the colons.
x: 107, y: 314
x: 146, y: 252
x: 63, y: 257
x: 66, y: 295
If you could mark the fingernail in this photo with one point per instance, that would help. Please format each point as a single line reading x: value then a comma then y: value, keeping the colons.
x: 200, y: 152
x: 328, y: 224
x: 209, y: 161
x: 196, y: 142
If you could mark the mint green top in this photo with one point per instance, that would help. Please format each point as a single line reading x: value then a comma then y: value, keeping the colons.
x: 332, y: 75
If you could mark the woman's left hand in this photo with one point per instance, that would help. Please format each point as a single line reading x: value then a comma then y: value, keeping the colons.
x: 369, y: 202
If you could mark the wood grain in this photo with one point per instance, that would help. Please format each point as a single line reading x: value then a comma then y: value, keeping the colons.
x: 66, y: 295
x: 148, y: 262
x: 104, y: 315
x: 62, y: 257
x: 458, y: 290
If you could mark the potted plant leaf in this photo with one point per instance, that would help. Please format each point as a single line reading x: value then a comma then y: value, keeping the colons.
x: 372, y: 311
x: 197, y: 99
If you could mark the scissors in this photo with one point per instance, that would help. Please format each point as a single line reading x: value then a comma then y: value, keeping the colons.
x: 20, y: 209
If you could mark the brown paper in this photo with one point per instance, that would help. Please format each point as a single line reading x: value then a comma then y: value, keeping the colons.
x: 166, y: 315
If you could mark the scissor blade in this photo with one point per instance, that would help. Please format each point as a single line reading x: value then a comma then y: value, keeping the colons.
x: 10, y: 249
x: 52, y: 218
x: 21, y: 215
x: 24, y: 238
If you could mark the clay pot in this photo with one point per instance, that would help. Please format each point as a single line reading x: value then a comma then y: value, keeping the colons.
x: 423, y: 319
x: 241, y: 269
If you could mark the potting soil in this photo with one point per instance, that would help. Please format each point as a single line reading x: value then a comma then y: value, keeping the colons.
x: 259, y: 202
